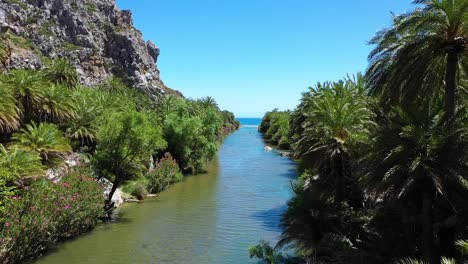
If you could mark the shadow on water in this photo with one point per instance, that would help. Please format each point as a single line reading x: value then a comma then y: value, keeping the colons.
x: 290, y: 174
x: 269, y: 218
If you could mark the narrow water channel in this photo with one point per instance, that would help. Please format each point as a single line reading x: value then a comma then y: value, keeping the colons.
x: 208, y: 218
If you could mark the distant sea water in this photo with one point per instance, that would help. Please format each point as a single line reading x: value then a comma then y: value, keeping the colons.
x: 250, y: 121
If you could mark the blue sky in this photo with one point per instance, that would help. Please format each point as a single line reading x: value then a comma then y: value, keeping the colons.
x: 255, y: 55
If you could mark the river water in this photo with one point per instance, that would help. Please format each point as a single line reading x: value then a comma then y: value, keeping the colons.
x: 208, y: 218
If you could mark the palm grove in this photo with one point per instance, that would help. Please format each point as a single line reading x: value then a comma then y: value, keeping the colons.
x: 385, y: 155
x: 117, y: 133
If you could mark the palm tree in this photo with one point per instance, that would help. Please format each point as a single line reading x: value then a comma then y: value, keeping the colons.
x: 114, y: 85
x: 27, y: 87
x: 266, y: 252
x: 83, y: 127
x: 334, y: 125
x: 462, y: 245
x: 62, y: 72
x: 56, y: 104
x: 44, y: 139
x: 421, y: 53
x: 208, y: 101
x: 9, y: 111
x: 417, y: 158
x: 19, y: 163
x: 311, y: 218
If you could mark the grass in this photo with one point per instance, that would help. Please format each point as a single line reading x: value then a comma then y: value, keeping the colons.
x: 19, y: 41
x: 67, y: 46
x: 17, y: 2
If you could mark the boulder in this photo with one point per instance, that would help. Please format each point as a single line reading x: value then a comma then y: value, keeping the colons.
x: 107, y: 186
x: 268, y: 148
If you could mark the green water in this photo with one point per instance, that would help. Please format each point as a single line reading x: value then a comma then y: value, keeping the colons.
x: 209, y: 218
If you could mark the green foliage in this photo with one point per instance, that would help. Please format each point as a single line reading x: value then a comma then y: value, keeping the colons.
x: 5, y: 51
x: 230, y: 123
x: 15, y: 164
x: 27, y: 87
x: 335, y: 120
x: 9, y: 111
x: 84, y: 125
x: 139, y: 190
x: 409, y: 261
x: 44, y: 139
x: 265, y: 252
x: 193, y: 129
x: 420, y: 53
x: 336, y: 115
x: 56, y: 105
x: 275, y: 126
x: 413, y: 146
x: 126, y: 142
x: 315, y: 225
x: 37, y: 218
x: 62, y: 72
x: 165, y: 173
x: 463, y: 246
x: 114, y: 85
x: 16, y: 41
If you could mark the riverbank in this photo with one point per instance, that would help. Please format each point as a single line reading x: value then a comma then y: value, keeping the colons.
x: 208, y: 218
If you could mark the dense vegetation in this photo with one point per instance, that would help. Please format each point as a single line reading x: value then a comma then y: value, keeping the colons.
x: 51, y: 126
x: 385, y: 155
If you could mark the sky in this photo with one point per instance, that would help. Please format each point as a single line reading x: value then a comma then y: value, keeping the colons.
x: 256, y: 55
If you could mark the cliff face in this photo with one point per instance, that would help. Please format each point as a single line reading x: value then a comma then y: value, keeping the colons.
x: 93, y: 34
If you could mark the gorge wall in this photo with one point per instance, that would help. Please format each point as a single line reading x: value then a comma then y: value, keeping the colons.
x: 97, y: 37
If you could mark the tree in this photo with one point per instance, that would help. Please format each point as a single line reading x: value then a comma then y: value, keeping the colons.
x: 266, y: 252
x: 421, y: 53
x: 15, y: 165
x: 56, y: 105
x: 83, y: 127
x: 45, y: 139
x: 208, y: 101
x: 418, y: 159
x: 310, y: 219
x: 18, y: 163
x: 61, y: 72
x: 187, y: 141
x: 335, y: 124
x: 126, y: 142
x: 9, y: 111
x: 27, y: 87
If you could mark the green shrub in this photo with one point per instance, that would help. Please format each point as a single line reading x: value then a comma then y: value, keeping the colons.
x: 61, y: 71
x: 139, y: 191
x: 48, y: 212
x: 266, y: 252
x: 167, y: 171
x: 44, y: 139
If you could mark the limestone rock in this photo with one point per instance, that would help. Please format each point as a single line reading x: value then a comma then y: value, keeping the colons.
x: 97, y: 37
x: 117, y: 198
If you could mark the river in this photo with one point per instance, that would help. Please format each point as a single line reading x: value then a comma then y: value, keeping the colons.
x: 208, y: 218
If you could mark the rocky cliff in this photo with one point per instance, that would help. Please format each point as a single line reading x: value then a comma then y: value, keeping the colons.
x: 94, y: 35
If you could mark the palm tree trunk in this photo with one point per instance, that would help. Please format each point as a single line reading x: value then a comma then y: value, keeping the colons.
x: 430, y: 253
x: 451, y: 83
x: 339, y: 171
x: 27, y: 108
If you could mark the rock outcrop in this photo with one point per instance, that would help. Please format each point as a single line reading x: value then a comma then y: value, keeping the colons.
x: 98, y: 38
